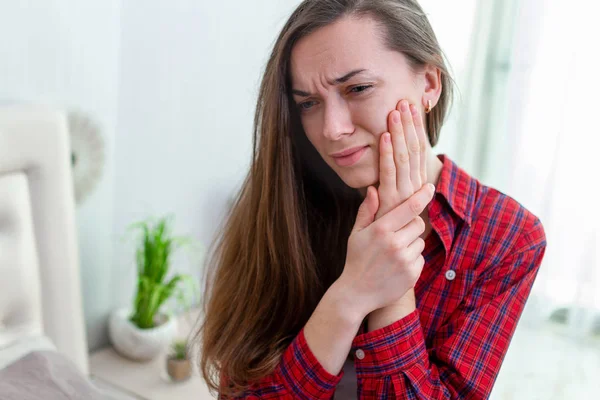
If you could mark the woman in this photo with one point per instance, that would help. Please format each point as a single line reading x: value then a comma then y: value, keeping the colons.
x: 341, y: 267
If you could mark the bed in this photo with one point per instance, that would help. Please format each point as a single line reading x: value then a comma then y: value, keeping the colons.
x: 43, y: 349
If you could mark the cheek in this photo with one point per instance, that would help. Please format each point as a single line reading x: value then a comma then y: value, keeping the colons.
x: 372, y: 114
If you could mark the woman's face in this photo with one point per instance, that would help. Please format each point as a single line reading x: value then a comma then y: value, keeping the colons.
x: 345, y: 83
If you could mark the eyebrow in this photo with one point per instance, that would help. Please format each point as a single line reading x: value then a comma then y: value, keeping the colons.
x: 336, y: 81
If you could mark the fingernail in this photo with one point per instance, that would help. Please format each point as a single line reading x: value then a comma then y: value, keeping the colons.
x: 431, y: 187
x: 387, y: 137
x: 396, y: 117
x: 413, y: 109
x: 404, y: 106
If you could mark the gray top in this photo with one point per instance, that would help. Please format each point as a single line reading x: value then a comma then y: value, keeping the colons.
x: 347, y: 388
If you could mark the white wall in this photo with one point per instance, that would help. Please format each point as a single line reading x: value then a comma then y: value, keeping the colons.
x: 189, y: 77
x: 65, y: 53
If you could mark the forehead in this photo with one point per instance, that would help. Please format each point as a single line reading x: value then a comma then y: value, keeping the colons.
x: 333, y: 50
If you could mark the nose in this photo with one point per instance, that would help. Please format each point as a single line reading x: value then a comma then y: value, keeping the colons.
x: 337, y: 119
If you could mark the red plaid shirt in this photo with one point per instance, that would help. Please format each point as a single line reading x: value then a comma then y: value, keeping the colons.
x: 480, y: 266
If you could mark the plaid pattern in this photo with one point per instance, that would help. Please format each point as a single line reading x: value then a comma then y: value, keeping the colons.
x: 453, y: 345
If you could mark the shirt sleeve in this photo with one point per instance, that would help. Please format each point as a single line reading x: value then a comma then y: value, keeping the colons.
x: 467, y: 352
x: 299, y: 375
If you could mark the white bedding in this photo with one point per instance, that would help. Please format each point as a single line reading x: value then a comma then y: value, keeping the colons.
x: 20, y: 348
x: 32, y: 369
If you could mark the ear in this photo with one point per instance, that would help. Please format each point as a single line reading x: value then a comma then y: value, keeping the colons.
x: 432, y: 84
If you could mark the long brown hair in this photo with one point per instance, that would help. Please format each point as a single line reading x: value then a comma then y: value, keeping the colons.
x: 284, y: 242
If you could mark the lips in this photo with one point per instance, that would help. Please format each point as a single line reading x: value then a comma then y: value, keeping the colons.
x: 352, y: 156
x: 347, y: 152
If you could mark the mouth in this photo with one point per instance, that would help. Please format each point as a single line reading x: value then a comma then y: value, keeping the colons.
x: 349, y: 157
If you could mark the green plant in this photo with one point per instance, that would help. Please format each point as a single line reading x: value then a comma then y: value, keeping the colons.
x: 179, y: 350
x: 153, y: 255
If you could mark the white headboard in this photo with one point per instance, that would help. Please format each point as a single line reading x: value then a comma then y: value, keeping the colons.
x: 40, y: 290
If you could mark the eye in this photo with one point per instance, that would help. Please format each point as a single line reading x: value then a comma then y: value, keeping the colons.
x: 305, y: 106
x: 360, y: 88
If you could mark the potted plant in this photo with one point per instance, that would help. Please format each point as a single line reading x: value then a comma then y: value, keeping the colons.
x: 143, y: 331
x: 179, y: 365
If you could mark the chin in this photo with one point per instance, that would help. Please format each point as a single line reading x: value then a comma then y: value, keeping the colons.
x: 359, y: 178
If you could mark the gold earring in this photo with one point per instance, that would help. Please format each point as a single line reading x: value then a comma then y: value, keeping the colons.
x: 429, y: 107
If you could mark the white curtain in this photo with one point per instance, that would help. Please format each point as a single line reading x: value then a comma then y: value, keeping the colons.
x: 552, y: 134
x: 525, y: 123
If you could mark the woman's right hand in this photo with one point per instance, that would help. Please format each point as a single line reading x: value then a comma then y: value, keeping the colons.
x: 384, y: 258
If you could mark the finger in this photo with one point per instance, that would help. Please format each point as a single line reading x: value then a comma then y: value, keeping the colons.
x: 412, y: 144
x: 367, y: 210
x: 409, y: 255
x: 419, y: 264
x: 387, y: 170
x: 414, y: 250
x: 401, y: 158
x: 401, y: 215
x: 420, y: 129
x: 410, y: 232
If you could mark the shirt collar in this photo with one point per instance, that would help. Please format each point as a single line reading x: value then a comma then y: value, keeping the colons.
x: 453, y: 202
x: 458, y: 189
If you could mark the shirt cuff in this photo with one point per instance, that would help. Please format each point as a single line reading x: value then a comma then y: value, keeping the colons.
x: 390, y: 349
x: 303, y: 374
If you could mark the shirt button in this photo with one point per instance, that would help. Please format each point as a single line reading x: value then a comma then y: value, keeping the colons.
x: 360, y: 354
x: 450, y: 275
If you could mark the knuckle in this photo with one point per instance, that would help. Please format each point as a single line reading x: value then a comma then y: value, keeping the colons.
x: 403, y: 257
x: 395, y: 199
x: 423, y: 148
x: 413, y: 275
x: 419, y: 265
x: 414, y: 147
x: 415, y: 205
x: 363, y: 207
x: 415, y: 271
x: 390, y: 244
x: 404, y: 192
x: 379, y: 231
x: 420, y: 224
x: 420, y: 244
x: 395, y: 246
x: 402, y: 158
x: 389, y: 170
x: 362, y: 210
x: 387, y: 204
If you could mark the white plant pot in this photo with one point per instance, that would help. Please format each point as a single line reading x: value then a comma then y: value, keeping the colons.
x: 140, y: 344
